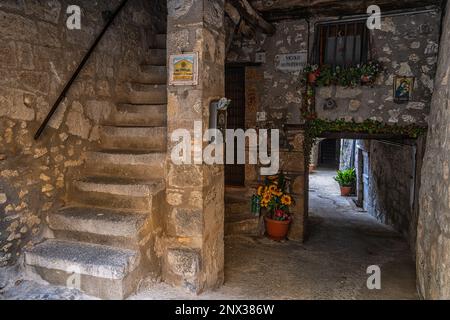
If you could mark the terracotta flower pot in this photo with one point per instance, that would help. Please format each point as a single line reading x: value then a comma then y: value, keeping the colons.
x: 365, y: 79
x: 345, y: 191
x: 312, y: 168
x: 277, y: 230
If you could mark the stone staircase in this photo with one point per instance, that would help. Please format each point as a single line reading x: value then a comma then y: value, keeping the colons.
x: 238, y: 217
x: 107, y: 230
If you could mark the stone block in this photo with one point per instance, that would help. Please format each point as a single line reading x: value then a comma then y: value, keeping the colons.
x: 16, y: 27
x: 8, y: 55
x: 296, y: 140
x: 292, y: 161
x: 185, y: 222
x: 49, y: 35
x: 182, y: 176
x: 77, y: 123
x: 297, y: 228
x: 36, y: 82
x: 49, y: 12
x: 184, y: 262
x: 12, y: 105
x: 25, y: 55
x: 98, y: 111
x: 298, y: 184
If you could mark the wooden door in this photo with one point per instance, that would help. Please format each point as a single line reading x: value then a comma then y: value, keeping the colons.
x: 235, y: 90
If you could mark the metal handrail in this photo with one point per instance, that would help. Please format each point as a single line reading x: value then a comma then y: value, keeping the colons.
x: 78, y: 70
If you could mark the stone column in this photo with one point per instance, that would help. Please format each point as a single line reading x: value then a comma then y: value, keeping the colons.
x: 194, y: 247
x: 433, y: 233
x: 292, y: 163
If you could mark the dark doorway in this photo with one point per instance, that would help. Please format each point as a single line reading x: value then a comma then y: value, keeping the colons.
x: 235, y: 90
x: 329, y: 150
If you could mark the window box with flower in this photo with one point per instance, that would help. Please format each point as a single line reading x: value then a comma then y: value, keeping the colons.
x: 275, y: 202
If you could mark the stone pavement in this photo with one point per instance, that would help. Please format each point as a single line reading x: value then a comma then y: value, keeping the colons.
x: 332, y: 264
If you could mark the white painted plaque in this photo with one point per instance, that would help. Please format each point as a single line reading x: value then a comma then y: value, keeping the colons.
x: 291, y: 62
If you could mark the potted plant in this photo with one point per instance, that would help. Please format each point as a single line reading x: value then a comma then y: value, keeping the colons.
x: 326, y: 77
x: 312, y: 73
x: 276, y: 203
x: 346, y: 179
x: 369, y: 72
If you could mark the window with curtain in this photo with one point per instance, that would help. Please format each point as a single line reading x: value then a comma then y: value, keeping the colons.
x: 342, y: 44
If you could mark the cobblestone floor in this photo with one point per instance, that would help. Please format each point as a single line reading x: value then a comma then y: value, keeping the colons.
x: 332, y: 264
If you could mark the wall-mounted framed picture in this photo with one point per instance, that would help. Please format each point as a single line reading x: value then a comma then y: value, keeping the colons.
x: 183, y: 69
x: 403, y: 89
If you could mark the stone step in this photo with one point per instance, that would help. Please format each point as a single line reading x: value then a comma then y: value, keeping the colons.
x: 99, y: 226
x: 116, y: 193
x: 237, y: 207
x: 138, y: 115
x: 159, y: 41
x: 150, y: 74
x: 156, y: 57
x: 125, y: 164
x: 134, y: 138
x: 138, y: 93
x: 241, y: 224
x: 104, y: 272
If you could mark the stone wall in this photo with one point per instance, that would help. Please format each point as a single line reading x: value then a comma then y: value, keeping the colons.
x: 433, y: 234
x: 37, y: 57
x: 280, y: 95
x: 392, y: 184
x: 347, y: 154
x: 406, y: 46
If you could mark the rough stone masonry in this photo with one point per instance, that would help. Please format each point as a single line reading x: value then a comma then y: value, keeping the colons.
x: 39, y: 54
x: 433, y: 232
x: 37, y: 57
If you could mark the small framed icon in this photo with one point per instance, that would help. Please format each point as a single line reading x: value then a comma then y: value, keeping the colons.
x: 183, y: 69
x: 403, y: 89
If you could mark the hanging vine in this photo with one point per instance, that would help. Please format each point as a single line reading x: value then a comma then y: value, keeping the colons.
x: 316, y: 127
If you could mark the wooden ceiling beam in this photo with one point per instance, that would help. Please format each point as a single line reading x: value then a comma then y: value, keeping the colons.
x: 275, y: 10
x: 250, y: 15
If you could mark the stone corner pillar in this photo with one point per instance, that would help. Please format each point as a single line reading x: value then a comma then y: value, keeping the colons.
x: 193, y: 249
x: 293, y: 163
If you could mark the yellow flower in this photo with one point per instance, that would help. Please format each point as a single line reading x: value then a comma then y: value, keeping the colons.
x: 286, y: 200
x: 279, y: 193
x: 273, y: 188
x: 267, y: 197
x: 260, y: 190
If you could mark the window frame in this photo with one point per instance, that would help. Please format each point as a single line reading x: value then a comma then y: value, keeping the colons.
x: 322, y: 30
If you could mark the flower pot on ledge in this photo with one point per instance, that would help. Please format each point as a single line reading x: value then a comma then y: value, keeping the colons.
x: 277, y: 230
x: 346, y: 191
x: 312, y: 77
